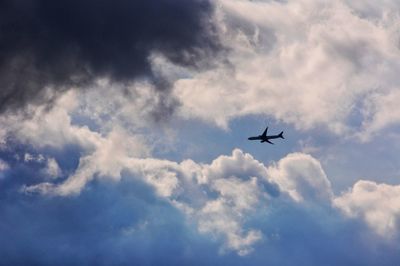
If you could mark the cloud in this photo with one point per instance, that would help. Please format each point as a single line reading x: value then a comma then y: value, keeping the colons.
x: 235, y: 203
x: 224, y: 215
x: 377, y: 204
x: 380, y: 113
x: 302, y: 177
x: 93, y: 228
x: 52, y: 169
x: 49, y: 47
x: 220, y: 197
x: 94, y: 187
x: 48, y: 129
x: 229, y: 201
x: 184, y: 184
x: 307, y: 63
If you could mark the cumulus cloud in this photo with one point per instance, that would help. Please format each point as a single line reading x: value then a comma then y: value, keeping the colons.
x: 303, y: 177
x: 221, y: 198
x: 218, y: 197
x: 377, y: 204
x: 188, y: 185
x: 224, y: 215
x: 308, y: 63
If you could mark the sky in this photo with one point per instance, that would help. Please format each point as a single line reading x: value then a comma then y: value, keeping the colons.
x: 124, y: 126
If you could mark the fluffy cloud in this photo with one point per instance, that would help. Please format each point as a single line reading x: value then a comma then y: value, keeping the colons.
x: 216, y: 196
x: 308, y: 63
x: 377, y: 204
x: 303, y: 177
x: 188, y: 185
x: 224, y: 216
x: 44, y: 128
x: 219, y: 197
x: 222, y: 197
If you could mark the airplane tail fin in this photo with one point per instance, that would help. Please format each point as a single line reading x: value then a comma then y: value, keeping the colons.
x: 281, y: 135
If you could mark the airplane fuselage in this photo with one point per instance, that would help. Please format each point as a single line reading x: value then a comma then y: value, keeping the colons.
x: 260, y: 137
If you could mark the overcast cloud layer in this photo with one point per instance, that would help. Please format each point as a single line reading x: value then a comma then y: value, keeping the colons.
x: 101, y: 177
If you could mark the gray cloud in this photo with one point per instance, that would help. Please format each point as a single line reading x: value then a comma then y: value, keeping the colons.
x: 46, y: 44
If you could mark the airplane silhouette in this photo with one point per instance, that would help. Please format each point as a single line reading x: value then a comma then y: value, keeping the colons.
x: 264, y: 138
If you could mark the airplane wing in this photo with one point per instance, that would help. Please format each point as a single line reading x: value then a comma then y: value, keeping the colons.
x: 269, y: 142
x: 265, y: 140
x: 265, y: 132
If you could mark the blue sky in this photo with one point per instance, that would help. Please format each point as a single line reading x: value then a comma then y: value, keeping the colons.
x: 135, y: 150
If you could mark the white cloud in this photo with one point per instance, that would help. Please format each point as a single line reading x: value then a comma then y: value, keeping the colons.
x: 82, y: 117
x: 52, y: 169
x: 307, y: 63
x: 377, y: 204
x: 219, y: 197
x: 174, y: 181
x: 111, y: 156
x: 381, y: 111
x: 44, y: 128
x: 302, y: 177
x: 225, y: 215
x: 237, y: 181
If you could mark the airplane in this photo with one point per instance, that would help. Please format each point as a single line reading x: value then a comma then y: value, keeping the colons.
x: 264, y: 138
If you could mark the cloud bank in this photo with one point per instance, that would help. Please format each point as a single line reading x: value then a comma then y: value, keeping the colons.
x: 221, y: 197
x: 238, y: 203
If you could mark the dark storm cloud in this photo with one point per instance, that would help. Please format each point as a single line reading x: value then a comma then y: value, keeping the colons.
x: 46, y: 43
